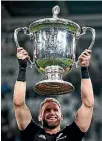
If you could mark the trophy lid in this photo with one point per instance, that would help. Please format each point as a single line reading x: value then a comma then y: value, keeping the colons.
x: 54, y: 22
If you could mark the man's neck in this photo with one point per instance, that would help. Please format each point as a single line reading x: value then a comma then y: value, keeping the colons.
x: 52, y: 131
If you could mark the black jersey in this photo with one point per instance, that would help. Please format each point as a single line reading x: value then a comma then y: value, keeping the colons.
x: 33, y: 132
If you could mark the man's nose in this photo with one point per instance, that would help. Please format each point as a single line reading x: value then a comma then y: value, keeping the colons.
x: 52, y: 112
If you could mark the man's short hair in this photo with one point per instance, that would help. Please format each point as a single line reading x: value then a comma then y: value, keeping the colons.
x: 49, y: 100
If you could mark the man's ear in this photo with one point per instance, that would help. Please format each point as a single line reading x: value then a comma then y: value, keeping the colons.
x: 39, y: 118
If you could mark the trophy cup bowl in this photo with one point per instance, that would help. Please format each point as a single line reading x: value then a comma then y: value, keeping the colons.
x: 54, y: 49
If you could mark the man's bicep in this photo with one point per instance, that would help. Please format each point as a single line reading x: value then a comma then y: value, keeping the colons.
x: 23, y: 116
x: 83, y: 117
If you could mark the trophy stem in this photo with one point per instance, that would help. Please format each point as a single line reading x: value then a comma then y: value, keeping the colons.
x: 53, y: 85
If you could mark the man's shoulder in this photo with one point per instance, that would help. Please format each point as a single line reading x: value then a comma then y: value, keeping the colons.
x: 73, y: 129
x: 32, y: 127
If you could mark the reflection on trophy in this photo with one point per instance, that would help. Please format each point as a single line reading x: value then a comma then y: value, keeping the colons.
x: 54, y: 50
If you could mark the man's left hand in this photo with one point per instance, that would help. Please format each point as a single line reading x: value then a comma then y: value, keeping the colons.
x: 84, y: 58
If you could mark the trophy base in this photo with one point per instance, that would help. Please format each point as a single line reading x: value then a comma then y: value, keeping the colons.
x: 53, y: 87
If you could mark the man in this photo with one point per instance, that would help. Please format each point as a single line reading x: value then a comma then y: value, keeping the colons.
x: 50, y: 110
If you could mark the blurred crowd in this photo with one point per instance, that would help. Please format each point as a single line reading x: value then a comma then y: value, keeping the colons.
x: 70, y: 103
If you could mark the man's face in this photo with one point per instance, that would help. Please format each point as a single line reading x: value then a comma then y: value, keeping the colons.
x: 51, y: 115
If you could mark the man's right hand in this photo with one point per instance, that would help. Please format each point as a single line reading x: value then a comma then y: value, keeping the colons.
x: 22, y: 53
x: 22, y: 56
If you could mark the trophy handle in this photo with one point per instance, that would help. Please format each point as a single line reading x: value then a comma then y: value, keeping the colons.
x: 83, y: 33
x: 24, y: 29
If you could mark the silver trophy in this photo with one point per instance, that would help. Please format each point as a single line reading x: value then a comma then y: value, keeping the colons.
x: 54, y: 51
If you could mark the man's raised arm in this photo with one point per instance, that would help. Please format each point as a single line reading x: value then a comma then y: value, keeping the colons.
x: 22, y: 113
x: 84, y: 113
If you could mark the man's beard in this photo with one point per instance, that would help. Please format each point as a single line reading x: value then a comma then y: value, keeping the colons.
x: 51, y: 126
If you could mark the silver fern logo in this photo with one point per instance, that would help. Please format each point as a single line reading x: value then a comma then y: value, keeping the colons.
x: 42, y: 136
x: 60, y: 137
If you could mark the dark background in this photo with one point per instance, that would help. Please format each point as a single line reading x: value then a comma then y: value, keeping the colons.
x: 16, y: 14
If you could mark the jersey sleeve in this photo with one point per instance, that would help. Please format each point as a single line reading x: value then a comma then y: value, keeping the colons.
x: 74, y: 132
x: 29, y: 131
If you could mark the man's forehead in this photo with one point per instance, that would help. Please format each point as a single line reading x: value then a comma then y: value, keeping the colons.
x: 50, y: 104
